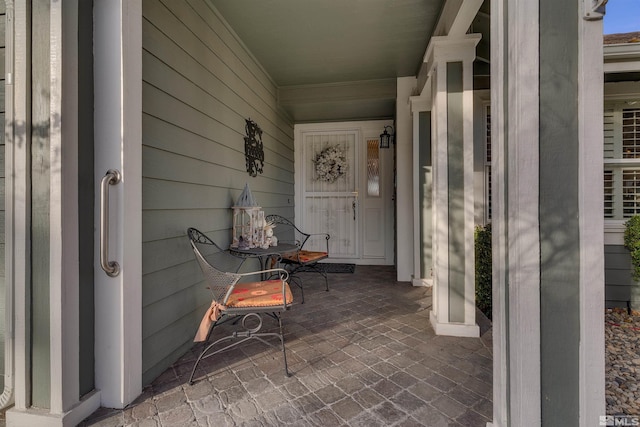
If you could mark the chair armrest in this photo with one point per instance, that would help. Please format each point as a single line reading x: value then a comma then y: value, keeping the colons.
x: 326, y: 237
x: 284, y: 274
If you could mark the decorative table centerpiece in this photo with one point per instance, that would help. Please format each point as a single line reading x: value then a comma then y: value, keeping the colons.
x: 250, y: 230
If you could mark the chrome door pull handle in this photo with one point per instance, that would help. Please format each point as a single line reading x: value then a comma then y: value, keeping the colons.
x: 112, y: 177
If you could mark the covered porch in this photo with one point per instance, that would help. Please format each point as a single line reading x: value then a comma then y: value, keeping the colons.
x: 363, y: 354
x: 164, y: 94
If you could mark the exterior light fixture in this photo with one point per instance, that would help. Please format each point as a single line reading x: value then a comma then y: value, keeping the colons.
x: 385, y: 137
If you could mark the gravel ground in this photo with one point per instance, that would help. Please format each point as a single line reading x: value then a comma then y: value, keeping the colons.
x: 622, y: 338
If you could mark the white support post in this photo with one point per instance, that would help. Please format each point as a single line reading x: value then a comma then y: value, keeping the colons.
x: 404, y: 181
x: 498, y: 227
x: 417, y: 242
x: 591, y: 131
x: 18, y: 209
x: 441, y: 52
x: 420, y: 104
x: 63, y: 214
x: 537, y: 382
x: 515, y: 237
x: 66, y: 408
x: 118, y: 145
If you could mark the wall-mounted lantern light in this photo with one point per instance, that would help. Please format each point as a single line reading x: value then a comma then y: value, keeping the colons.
x: 385, y: 137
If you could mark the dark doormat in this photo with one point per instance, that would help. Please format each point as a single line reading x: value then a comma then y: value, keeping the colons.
x: 336, y: 268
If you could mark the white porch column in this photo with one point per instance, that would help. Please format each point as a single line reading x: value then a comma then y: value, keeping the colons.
x: 423, y: 189
x: 118, y: 145
x: 450, y: 65
x: 548, y: 272
x: 59, y: 401
x: 404, y: 181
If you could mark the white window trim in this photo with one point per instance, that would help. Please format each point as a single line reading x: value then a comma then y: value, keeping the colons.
x: 486, y: 108
x: 614, y: 228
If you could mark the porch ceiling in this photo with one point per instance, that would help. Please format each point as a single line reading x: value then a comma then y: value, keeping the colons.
x: 332, y: 43
x: 336, y: 60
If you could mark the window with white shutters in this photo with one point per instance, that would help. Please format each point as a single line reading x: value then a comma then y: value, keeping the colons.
x: 621, y: 160
x: 631, y: 133
x: 608, y: 194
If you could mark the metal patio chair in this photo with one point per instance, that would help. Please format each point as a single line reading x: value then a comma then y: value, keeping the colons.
x: 242, y: 304
x: 301, y: 260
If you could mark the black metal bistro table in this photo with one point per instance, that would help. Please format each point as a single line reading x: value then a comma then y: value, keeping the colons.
x: 264, y: 254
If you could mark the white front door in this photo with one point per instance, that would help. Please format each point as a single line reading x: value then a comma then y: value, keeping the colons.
x: 330, y: 191
x: 344, y: 187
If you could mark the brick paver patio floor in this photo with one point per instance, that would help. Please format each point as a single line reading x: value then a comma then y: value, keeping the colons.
x: 362, y: 354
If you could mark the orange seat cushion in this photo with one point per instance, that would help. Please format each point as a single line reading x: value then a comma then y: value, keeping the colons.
x: 259, y: 294
x: 305, y: 257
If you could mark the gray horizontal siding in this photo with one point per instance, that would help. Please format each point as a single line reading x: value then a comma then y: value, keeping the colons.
x: 619, y: 285
x: 199, y: 86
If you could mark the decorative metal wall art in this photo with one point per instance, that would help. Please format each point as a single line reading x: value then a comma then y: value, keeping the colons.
x: 253, y: 148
